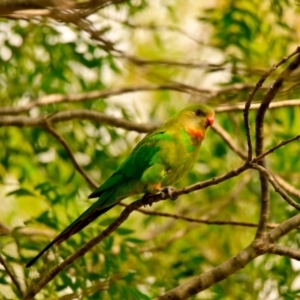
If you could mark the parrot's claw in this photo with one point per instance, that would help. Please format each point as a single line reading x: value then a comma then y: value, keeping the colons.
x: 168, y: 191
x: 145, y: 199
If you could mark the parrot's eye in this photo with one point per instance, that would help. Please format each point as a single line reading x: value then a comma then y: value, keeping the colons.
x: 199, y: 113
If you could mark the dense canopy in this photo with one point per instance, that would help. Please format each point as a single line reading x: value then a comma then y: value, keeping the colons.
x: 82, y: 82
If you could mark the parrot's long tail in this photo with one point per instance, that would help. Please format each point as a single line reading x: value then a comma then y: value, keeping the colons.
x: 83, y: 220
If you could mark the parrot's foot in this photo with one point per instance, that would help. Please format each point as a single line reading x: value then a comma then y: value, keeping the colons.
x: 145, y: 199
x: 168, y: 191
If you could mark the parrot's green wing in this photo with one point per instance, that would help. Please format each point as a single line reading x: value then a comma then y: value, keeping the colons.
x: 135, y: 165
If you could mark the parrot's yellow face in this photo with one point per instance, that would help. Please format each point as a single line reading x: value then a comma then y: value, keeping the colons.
x: 196, y: 119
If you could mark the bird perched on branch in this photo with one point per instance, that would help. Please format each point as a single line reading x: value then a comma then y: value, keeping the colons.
x: 161, y: 158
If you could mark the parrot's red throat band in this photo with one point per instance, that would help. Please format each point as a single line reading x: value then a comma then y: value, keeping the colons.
x: 196, y: 133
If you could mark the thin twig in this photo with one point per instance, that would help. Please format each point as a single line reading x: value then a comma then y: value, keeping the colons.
x: 277, y: 188
x: 176, y: 236
x: 271, y: 150
x: 92, y: 95
x: 153, y: 27
x: 67, y: 115
x: 251, y: 97
x: 11, y: 275
x: 229, y: 141
x: 286, y: 186
x: 255, y: 106
x: 202, y: 221
x: 271, y: 94
x: 233, y: 146
x: 183, y: 64
x: 72, y: 157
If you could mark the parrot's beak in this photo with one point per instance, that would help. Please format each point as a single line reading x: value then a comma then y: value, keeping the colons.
x: 210, y: 119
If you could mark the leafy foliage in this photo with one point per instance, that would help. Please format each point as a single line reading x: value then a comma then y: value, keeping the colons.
x: 213, y: 54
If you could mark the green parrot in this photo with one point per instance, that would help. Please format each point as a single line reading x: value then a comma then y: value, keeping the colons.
x: 160, y: 159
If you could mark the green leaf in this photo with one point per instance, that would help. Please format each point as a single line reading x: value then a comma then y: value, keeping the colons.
x: 135, y: 240
x: 106, y: 221
x: 21, y: 192
x: 124, y: 231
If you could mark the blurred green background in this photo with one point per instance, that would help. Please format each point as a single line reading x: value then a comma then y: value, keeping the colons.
x: 211, y: 53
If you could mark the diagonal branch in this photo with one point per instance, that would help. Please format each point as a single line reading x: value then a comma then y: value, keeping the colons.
x: 286, y: 186
x: 72, y: 157
x: 284, y: 251
x: 255, y: 106
x: 175, y: 86
x: 234, y: 147
x: 211, y: 277
x: 229, y: 141
x: 231, y: 266
x: 67, y: 115
x: 271, y: 150
x: 275, y: 185
x: 201, y: 221
x: 12, y: 276
x: 87, y: 96
x: 284, y: 228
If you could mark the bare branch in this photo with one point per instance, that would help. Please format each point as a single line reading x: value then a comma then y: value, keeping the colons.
x: 11, y: 275
x: 176, y: 236
x: 277, y: 188
x: 206, y: 219
x: 284, y: 251
x: 60, y: 98
x: 209, y: 278
x: 183, y: 64
x: 229, y: 141
x: 286, y: 186
x: 183, y: 88
x: 284, y: 228
x: 20, y: 9
x: 231, y: 266
x: 153, y: 27
x: 271, y: 150
x: 212, y: 181
x: 237, y: 87
x: 72, y: 157
x: 233, y: 146
x: 255, y: 106
x: 67, y: 115
x: 270, y: 96
x: 201, y: 221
